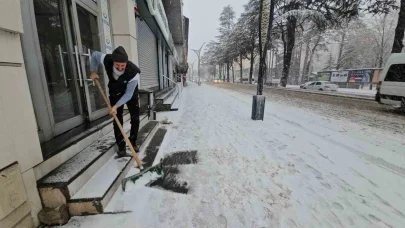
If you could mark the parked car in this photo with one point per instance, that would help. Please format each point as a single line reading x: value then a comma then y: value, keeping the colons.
x: 391, y: 87
x: 246, y: 81
x: 304, y: 86
x: 322, y: 86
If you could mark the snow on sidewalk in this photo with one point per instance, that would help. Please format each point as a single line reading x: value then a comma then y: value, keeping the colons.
x: 294, y: 169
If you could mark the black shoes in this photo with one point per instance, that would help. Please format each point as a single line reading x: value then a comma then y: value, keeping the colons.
x: 123, y: 152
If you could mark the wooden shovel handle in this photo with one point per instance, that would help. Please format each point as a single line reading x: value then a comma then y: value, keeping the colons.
x: 134, y: 154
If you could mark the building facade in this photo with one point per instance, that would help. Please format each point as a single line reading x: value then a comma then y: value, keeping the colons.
x: 45, y: 90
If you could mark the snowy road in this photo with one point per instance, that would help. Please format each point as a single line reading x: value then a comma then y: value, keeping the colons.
x: 364, y: 112
x: 294, y: 169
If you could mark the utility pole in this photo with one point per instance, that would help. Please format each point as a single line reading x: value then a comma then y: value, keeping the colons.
x: 198, y: 53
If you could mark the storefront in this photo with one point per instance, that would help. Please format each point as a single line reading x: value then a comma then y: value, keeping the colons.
x: 154, y: 41
x: 48, y: 97
x: 59, y: 37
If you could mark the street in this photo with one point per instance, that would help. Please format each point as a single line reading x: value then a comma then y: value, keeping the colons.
x: 312, y: 162
x: 365, y: 111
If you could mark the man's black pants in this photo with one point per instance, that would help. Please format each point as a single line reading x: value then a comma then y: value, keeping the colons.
x: 133, y: 108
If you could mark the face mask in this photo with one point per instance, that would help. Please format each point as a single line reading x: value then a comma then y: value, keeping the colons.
x: 117, y: 72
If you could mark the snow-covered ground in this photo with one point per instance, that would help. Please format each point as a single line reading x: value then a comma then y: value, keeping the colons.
x: 294, y: 169
x: 358, y: 91
x: 362, y: 92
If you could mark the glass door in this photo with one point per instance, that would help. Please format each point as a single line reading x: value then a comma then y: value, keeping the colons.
x: 64, y: 34
x: 86, y: 26
x: 63, y: 97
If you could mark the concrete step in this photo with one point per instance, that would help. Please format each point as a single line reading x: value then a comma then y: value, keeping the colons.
x: 161, y: 98
x: 99, y: 190
x: 61, y: 184
x: 167, y: 104
x: 70, y: 144
x: 94, y: 196
x: 162, y: 91
x: 176, y: 104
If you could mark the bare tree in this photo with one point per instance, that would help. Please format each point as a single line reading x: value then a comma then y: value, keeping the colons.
x: 399, y: 30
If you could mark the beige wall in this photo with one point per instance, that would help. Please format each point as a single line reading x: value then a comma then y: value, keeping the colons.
x: 124, y: 27
x: 20, y: 150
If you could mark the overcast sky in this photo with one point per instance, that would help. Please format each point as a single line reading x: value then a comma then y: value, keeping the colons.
x: 204, y: 20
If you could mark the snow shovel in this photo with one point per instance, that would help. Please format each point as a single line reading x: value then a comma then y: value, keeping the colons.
x: 157, y: 168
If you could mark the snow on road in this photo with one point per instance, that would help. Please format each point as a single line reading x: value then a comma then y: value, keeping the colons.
x: 294, y: 169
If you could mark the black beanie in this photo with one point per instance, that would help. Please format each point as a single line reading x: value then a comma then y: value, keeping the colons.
x: 120, y: 55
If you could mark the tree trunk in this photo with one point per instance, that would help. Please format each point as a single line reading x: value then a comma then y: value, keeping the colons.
x: 311, y: 58
x: 342, y: 43
x: 272, y: 68
x: 270, y: 65
x: 304, y: 71
x: 268, y: 59
x: 252, y: 52
x: 227, y: 71
x: 380, y: 62
x: 241, y: 68
x: 251, y: 66
x: 291, y: 25
x: 399, y: 30
x: 233, y: 74
x: 295, y: 67
x: 222, y: 73
x: 299, y: 65
x: 276, y: 65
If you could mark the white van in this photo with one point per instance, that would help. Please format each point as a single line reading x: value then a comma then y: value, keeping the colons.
x: 391, y: 87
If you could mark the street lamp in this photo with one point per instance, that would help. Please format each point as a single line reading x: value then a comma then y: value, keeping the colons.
x: 198, y: 53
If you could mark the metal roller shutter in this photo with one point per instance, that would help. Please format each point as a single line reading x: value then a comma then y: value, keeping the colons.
x: 148, y: 57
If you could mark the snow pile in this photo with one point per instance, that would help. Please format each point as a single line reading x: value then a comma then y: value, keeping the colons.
x: 165, y: 120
